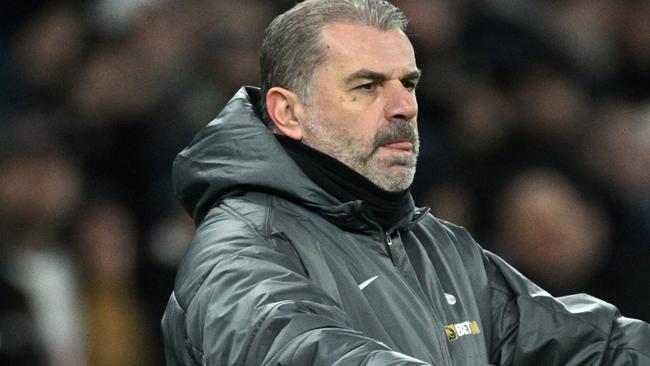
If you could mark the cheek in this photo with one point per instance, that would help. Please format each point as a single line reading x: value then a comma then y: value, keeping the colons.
x: 356, y: 126
x: 349, y: 117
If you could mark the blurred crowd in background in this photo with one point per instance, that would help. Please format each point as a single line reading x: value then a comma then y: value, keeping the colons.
x: 534, y: 121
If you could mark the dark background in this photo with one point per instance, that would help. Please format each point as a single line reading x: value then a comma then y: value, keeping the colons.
x: 534, y: 121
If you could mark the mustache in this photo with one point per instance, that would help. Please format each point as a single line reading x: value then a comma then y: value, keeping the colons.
x: 400, y: 130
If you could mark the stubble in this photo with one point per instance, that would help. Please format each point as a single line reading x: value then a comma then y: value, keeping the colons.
x: 394, y: 172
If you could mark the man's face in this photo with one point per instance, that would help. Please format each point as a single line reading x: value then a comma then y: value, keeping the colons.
x: 363, y: 110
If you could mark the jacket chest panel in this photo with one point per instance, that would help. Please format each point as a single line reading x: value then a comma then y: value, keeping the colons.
x: 443, y: 277
x: 381, y: 291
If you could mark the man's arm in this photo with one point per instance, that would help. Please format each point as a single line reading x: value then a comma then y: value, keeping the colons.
x: 531, y: 327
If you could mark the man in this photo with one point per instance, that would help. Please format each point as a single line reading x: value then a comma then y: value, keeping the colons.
x: 309, y: 249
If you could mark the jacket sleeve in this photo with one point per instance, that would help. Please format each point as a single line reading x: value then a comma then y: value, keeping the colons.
x: 256, y: 306
x: 530, y: 327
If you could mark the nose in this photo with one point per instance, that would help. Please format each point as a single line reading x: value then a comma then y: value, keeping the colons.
x: 400, y: 102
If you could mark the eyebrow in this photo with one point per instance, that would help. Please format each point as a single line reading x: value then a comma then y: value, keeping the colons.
x: 365, y: 74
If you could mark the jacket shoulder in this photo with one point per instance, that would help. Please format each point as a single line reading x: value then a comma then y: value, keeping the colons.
x: 446, y: 234
x: 234, y: 226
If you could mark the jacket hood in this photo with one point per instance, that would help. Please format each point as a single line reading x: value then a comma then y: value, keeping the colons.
x: 236, y: 153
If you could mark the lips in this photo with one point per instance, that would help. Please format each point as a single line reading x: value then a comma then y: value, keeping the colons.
x: 399, y: 145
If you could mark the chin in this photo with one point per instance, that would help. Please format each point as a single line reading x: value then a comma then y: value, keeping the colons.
x: 396, y: 182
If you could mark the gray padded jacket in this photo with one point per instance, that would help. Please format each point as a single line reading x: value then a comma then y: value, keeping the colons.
x: 281, y: 273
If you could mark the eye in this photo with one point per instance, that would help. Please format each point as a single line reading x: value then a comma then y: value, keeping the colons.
x: 367, y: 87
x: 408, y: 84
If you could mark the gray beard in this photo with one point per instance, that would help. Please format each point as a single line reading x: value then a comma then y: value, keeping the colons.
x: 361, y: 155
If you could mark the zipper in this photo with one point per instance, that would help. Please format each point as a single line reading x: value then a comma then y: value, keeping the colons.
x: 389, y: 243
x: 418, y: 294
x: 434, y: 317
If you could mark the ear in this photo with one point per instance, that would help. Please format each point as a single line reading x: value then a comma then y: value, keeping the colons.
x: 286, y: 111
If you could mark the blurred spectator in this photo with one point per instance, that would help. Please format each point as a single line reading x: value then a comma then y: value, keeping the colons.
x: 170, y: 238
x: 618, y: 150
x: 634, y: 49
x: 586, y: 31
x: 116, y: 328
x: 551, y: 107
x: 19, y: 344
x: 39, y: 190
x: 42, y: 67
x: 549, y: 232
x: 119, y: 16
x: 618, y: 156
x: 485, y: 119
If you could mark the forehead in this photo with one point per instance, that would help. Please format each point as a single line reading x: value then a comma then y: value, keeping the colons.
x: 350, y: 47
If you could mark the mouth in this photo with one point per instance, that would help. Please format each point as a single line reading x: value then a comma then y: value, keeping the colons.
x: 401, y: 145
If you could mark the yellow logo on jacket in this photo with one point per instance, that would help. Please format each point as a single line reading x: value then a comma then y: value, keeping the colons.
x: 455, y: 331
